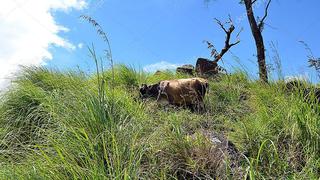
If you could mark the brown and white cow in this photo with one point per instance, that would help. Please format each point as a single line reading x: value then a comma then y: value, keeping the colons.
x: 179, y: 92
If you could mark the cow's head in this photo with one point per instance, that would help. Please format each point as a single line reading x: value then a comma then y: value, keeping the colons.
x: 149, y: 91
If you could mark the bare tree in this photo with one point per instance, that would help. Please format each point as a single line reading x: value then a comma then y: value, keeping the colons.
x: 208, y: 67
x: 256, y: 29
x: 218, y: 55
x: 257, y: 25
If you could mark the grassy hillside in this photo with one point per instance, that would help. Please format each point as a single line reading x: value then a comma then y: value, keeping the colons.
x: 68, y: 125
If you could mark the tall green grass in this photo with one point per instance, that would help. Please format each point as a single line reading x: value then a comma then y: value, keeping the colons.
x: 54, y: 125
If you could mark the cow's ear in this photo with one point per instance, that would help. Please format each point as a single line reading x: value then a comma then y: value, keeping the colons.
x: 144, y: 85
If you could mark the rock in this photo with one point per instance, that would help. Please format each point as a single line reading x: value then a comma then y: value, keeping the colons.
x: 221, y: 143
x: 186, y: 69
x: 310, y: 93
x: 216, y: 152
x: 295, y: 84
x: 158, y: 73
x: 206, y: 67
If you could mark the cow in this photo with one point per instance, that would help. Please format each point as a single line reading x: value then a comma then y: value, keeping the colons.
x: 179, y: 92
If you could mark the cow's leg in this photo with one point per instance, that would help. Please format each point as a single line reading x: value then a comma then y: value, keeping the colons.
x: 188, y: 106
x: 202, y: 107
x: 198, y: 107
x: 191, y: 107
x: 170, y: 99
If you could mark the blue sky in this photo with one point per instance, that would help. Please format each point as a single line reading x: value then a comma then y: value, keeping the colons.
x: 145, y: 33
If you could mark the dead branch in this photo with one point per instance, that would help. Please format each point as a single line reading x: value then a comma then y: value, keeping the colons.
x: 217, y: 56
x: 253, y: 2
x: 261, y: 22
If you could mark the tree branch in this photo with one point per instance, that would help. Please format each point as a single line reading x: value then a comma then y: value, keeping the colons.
x: 221, y: 25
x: 254, y: 1
x: 261, y: 22
x: 227, y: 46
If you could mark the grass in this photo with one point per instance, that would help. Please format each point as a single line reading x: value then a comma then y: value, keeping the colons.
x: 54, y: 126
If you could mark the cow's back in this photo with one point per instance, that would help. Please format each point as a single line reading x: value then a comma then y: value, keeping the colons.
x: 184, y: 91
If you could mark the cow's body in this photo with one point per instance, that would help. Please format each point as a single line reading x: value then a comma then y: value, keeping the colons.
x: 180, y: 92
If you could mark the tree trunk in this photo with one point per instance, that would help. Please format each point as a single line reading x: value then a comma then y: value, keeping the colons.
x: 256, y: 32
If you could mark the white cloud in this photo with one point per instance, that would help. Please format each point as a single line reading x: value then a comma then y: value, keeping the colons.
x: 163, y: 65
x: 27, y: 30
x: 80, y: 45
x: 299, y: 77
